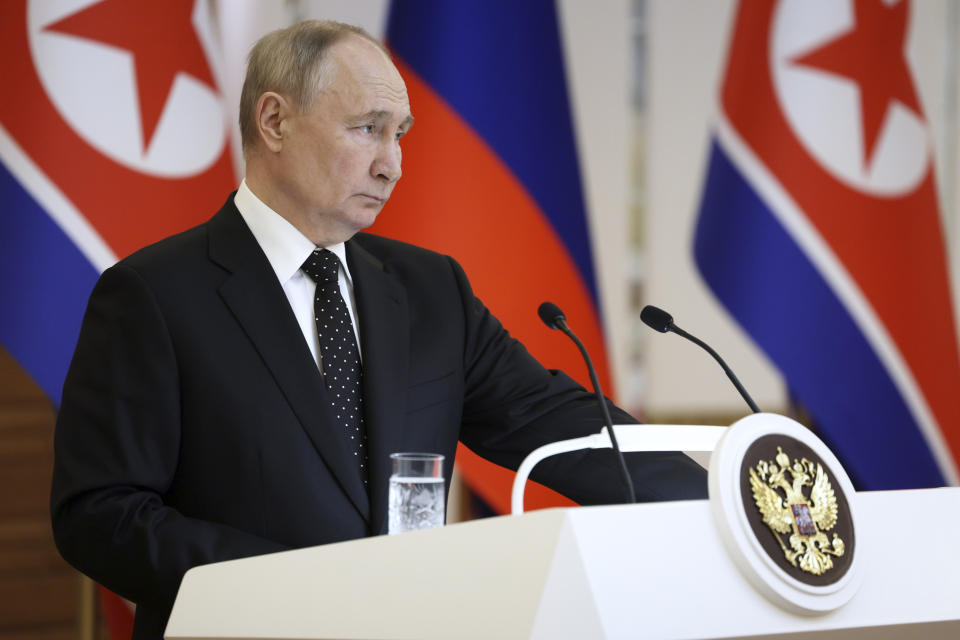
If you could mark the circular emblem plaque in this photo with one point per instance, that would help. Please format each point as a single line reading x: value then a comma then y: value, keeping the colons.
x: 784, y: 508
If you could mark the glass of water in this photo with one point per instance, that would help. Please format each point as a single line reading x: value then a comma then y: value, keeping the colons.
x: 416, y: 492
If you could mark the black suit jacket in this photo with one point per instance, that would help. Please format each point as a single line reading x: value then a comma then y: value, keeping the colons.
x: 194, y: 425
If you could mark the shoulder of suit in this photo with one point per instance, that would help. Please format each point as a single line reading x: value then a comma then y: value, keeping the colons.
x: 411, y: 264
x: 179, y: 250
x: 170, y: 248
x: 388, y: 249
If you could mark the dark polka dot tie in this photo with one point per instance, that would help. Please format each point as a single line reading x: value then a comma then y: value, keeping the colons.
x: 339, y: 356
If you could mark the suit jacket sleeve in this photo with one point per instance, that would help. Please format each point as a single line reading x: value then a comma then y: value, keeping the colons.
x: 116, y: 452
x: 514, y: 405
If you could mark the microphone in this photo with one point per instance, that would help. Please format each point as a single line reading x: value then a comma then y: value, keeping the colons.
x: 553, y: 317
x: 659, y: 320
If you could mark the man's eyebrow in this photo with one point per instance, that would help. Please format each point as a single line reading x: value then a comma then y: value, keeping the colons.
x: 383, y: 115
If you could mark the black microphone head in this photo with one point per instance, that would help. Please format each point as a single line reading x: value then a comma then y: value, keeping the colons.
x: 551, y: 315
x: 656, y: 318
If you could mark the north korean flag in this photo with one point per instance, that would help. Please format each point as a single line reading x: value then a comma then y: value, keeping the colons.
x: 819, y: 230
x: 112, y: 135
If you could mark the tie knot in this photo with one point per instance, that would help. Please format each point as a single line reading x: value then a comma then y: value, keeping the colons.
x: 322, y: 266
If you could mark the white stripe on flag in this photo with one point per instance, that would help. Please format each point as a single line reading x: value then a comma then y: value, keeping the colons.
x: 58, y: 207
x: 790, y: 215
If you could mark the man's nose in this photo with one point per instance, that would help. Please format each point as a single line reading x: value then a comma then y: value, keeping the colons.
x: 386, y: 166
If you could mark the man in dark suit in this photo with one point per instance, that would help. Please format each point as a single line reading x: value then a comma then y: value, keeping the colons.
x: 201, y: 419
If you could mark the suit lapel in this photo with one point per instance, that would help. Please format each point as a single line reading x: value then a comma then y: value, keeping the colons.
x: 385, y: 342
x: 259, y: 304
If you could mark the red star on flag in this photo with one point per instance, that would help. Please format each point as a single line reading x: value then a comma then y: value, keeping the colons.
x: 872, y: 54
x: 161, y: 37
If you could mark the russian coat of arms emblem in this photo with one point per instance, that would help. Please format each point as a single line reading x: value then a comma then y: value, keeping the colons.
x: 798, y: 517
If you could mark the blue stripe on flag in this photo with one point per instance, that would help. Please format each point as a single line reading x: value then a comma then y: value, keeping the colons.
x: 773, y: 290
x: 499, y: 64
x: 45, y: 285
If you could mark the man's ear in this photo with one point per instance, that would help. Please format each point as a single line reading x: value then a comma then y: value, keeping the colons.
x: 272, y: 110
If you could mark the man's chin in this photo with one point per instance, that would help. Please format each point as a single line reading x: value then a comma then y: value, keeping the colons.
x: 365, y: 217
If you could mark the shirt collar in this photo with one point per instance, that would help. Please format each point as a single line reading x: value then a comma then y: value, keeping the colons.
x: 285, y: 247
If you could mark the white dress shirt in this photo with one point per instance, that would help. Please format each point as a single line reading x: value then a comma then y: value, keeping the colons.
x: 286, y: 250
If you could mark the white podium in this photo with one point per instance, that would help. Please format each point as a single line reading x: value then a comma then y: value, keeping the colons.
x: 633, y: 571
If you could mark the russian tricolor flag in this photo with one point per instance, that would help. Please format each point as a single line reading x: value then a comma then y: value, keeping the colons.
x: 491, y: 177
x: 819, y: 231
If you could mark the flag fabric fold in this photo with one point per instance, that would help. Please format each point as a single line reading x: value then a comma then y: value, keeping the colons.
x: 819, y: 231
x: 491, y: 177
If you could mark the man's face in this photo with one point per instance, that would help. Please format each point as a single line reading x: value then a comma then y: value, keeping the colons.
x: 341, y: 158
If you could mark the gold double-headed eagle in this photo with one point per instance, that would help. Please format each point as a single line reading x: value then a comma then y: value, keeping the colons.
x: 786, y: 510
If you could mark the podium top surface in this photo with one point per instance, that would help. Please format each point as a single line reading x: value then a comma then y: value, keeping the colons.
x: 651, y: 570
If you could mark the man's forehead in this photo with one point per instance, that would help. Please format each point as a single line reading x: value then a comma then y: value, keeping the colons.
x: 361, y: 58
x: 362, y: 65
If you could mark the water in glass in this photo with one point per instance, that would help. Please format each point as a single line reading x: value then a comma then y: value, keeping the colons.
x: 415, y: 503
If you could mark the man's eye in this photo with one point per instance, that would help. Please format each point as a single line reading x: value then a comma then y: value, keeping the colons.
x: 367, y: 128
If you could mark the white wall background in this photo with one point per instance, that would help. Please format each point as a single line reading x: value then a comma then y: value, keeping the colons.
x: 685, y: 51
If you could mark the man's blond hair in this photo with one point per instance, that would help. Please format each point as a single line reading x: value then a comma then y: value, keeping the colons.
x: 293, y: 63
